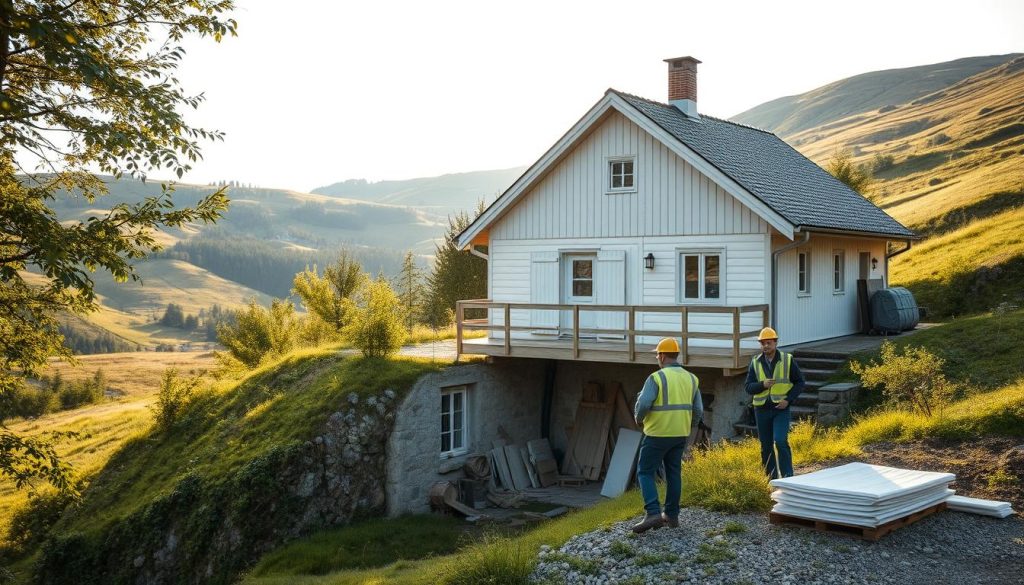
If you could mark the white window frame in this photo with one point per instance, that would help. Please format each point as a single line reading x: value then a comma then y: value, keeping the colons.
x: 806, y: 290
x: 701, y: 253
x: 462, y: 449
x: 839, y: 270
x: 610, y: 166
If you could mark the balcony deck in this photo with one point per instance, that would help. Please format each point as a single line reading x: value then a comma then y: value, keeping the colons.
x: 604, y: 344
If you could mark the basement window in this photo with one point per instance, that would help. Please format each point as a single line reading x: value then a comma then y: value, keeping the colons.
x: 621, y: 175
x: 453, y: 422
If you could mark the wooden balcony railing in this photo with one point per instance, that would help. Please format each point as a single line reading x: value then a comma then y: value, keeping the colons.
x: 629, y: 333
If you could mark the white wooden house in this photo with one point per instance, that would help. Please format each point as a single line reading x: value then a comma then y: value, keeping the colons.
x: 649, y: 219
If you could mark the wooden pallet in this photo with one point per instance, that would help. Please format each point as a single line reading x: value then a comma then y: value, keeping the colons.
x: 863, y: 532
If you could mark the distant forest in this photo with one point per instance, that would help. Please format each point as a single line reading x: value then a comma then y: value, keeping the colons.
x: 83, y: 341
x: 267, y: 268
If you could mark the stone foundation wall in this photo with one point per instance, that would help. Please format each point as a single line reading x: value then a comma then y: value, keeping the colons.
x: 503, y: 403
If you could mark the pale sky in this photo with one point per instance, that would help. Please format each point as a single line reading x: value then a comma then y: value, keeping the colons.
x: 314, y: 92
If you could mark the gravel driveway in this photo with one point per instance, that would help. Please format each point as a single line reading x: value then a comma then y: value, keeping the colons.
x: 710, y: 547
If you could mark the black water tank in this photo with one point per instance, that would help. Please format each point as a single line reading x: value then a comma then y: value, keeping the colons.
x: 893, y: 310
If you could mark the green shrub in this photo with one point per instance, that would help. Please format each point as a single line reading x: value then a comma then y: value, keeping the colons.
x: 377, y: 328
x: 172, y: 397
x: 882, y: 162
x: 30, y: 524
x: 912, y: 378
x: 259, y: 333
x: 83, y: 392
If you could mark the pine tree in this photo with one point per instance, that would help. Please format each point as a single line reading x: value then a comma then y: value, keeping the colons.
x: 457, y: 275
x: 409, y: 287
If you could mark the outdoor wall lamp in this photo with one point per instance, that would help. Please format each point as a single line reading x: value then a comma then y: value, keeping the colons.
x: 649, y: 261
x: 874, y: 263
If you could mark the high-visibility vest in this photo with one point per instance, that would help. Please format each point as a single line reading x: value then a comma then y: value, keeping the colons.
x: 782, y: 384
x: 672, y: 411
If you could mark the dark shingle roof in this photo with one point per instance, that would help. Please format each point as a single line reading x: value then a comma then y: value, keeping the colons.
x: 787, y: 181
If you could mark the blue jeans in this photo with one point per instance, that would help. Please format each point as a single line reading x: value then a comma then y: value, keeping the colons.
x: 773, y: 431
x: 653, y: 452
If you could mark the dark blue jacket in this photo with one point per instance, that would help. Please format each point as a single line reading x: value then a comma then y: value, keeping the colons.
x: 796, y: 378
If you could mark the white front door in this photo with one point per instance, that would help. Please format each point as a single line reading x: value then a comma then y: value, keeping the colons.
x: 578, y: 288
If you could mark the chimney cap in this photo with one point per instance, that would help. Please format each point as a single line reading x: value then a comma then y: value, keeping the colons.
x: 676, y: 60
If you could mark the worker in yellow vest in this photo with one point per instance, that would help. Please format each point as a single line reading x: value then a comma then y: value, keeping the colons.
x: 668, y: 407
x: 775, y: 381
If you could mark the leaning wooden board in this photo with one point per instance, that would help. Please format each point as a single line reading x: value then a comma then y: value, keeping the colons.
x: 589, y: 438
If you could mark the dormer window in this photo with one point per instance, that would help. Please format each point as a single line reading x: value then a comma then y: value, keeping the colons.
x: 621, y: 174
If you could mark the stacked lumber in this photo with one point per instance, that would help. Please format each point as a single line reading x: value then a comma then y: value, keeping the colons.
x: 859, y: 494
x: 992, y: 508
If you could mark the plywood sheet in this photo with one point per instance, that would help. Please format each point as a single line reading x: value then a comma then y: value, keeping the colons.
x: 620, y: 470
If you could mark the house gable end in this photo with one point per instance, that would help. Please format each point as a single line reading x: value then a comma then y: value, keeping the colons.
x: 670, y: 196
x: 591, y: 121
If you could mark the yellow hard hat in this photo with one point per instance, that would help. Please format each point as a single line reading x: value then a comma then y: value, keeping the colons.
x: 767, y: 333
x: 668, y: 345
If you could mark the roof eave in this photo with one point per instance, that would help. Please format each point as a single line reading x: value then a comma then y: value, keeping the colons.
x: 860, y: 233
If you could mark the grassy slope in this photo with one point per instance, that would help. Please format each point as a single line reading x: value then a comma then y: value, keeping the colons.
x: 234, y: 423
x: 107, y: 426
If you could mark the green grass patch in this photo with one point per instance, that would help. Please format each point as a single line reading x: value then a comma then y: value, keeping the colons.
x: 969, y: 270
x: 578, y: 564
x: 374, y: 543
x: 621, y: 549
x: 650, y: 559
x: 984, y: 351
x: 727, y: 477
x: 713, y: 552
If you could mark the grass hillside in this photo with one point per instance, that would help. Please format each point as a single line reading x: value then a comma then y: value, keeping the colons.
x: 947, y: 164
x: 862, y: 94
x: 173, y: 281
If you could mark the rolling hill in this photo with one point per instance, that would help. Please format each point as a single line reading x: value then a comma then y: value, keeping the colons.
x: 444, y: 195
x: 863, y: 93
x: 946, y: 163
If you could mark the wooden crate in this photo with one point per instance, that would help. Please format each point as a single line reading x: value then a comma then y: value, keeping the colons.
x: 864, y: 532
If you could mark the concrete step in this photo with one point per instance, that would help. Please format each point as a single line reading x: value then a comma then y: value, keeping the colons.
x: 815, y: 354
x: 820, y: 363
x: 813, y: 385
x: 745, y: 429
x: 807, y: 399
x: 803, y: 412
x: 813, y: 374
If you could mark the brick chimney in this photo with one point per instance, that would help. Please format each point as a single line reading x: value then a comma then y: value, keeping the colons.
x: 682, y: 84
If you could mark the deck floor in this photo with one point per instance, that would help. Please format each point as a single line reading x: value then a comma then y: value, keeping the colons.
x: 602, y: 350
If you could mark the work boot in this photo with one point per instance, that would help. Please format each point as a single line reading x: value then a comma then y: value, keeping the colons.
x: 649, y: 522
x: 670, y: 521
